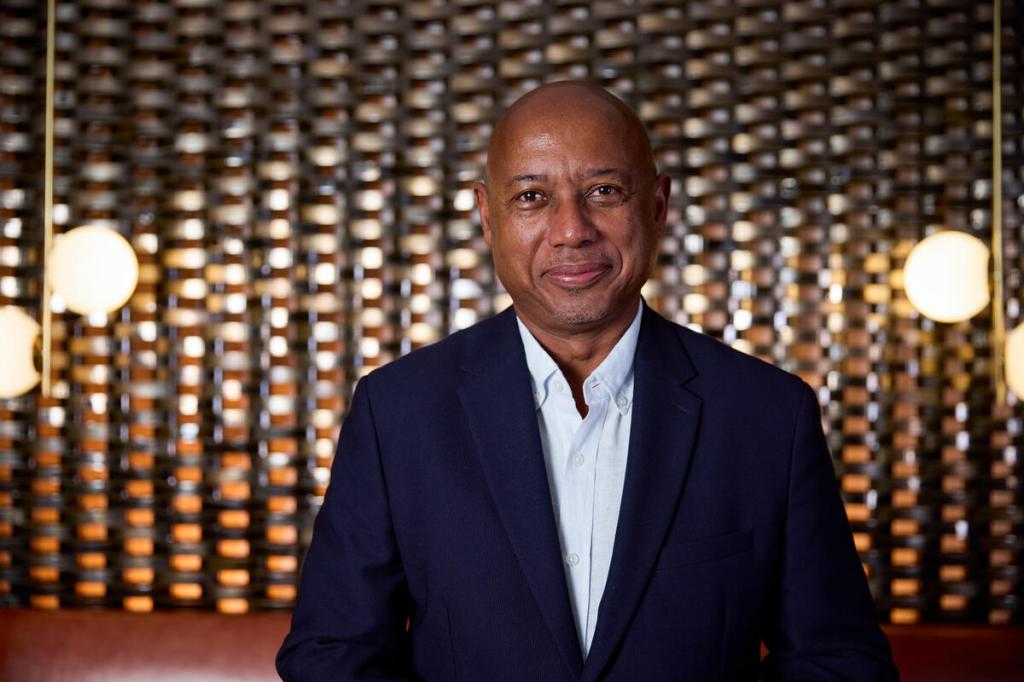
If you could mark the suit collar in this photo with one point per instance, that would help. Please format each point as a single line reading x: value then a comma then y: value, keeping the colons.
x: 665, y: 423
x: 497, y: 399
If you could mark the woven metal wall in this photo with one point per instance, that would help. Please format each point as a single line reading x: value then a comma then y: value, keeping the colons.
x: 295, y: 177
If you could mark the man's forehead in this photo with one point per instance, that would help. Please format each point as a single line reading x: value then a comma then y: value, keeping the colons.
x: 583, y: 174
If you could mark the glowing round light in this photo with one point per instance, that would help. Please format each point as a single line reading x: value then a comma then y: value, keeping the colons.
x: 94, y: 269
x: 1015, y: 360
x: 946, y: 276
x: 18, y: 333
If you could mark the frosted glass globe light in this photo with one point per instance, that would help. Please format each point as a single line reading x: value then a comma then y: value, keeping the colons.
x: 18, y: 333
x: 1015, y: 360
x: 94, y: 269
x: 946, y: 276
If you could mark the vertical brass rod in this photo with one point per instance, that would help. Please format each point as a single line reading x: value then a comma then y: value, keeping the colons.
x: 51, y: 58
x: 998, y: 303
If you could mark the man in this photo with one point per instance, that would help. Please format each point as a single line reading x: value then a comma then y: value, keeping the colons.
x: 578, y: 489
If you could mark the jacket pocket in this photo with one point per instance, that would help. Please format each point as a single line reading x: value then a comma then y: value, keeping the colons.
x: 700, y: 550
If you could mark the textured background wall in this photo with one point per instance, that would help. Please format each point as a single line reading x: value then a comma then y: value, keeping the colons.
x: 295, y: 177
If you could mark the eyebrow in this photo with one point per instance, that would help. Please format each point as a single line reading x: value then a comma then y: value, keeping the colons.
x: 525, y: 178
x: 596, y: 172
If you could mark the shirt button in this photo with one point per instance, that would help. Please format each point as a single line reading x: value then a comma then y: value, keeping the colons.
x: 622, y: 401
x: 572, y: 558
x: 558, y: 385
x: 578, y: 459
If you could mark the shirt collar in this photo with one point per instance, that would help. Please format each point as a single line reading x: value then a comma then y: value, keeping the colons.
x: 613, y: 378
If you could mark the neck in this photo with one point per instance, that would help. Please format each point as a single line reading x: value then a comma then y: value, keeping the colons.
x: 578, y: 352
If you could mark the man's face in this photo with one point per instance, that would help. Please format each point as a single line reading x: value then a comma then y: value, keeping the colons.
x: 572, y: 211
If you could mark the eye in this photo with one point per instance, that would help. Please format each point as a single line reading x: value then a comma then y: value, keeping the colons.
x: 608, y: 195
x: 528, y: 198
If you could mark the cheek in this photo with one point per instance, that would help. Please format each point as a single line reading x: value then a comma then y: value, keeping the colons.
x: 519, y: 242
x: 512, y: 258
x: 627, y: 237
x: 637, y: 250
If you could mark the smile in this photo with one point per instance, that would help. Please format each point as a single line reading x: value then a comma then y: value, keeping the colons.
x: 576, y: 275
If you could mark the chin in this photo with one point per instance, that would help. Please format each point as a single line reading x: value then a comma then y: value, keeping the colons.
x: 580, y: 314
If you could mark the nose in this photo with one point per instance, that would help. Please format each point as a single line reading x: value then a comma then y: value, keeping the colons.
x: 571, y: 225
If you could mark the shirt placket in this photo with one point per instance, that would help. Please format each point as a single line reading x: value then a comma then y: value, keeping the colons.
x: 580, y: 472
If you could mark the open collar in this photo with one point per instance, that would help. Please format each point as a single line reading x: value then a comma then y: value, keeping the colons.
x: 612, y: 379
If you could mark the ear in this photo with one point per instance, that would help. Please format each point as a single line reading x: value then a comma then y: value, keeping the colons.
x: 480, y: 195
x: 662, y: 188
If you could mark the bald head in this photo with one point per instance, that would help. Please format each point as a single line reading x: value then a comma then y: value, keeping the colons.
x: 570, y: 104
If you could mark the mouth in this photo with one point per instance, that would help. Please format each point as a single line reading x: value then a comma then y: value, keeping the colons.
x: 576, y: 275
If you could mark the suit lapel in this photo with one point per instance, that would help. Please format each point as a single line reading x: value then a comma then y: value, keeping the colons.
x: 499, y: 406
x: 662, y: 434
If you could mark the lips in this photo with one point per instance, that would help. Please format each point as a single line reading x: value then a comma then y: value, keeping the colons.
x: 576, y: 275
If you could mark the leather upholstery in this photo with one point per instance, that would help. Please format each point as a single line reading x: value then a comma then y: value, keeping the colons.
x: 76, y: 645
x: 957, y: 653
x: 202, y: 646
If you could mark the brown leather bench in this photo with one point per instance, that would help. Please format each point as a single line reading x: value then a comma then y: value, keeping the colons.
x: 75, y: 645
x: 958, y: 653
x: 78, y: 645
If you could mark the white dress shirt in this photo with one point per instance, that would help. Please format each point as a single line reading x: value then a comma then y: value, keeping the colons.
x: 586, y: 464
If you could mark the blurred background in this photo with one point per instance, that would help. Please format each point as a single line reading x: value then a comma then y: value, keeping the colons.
x: 293, y: 181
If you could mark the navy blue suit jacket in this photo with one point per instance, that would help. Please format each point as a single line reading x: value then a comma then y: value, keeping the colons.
x: 435, y: 555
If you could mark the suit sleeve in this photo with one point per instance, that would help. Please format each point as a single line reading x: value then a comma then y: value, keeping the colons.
x: 349, y: 621
x: 823, y: 626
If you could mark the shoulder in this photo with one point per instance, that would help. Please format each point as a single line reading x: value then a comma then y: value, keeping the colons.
x: 721, y: 369
x: 438, y: 364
